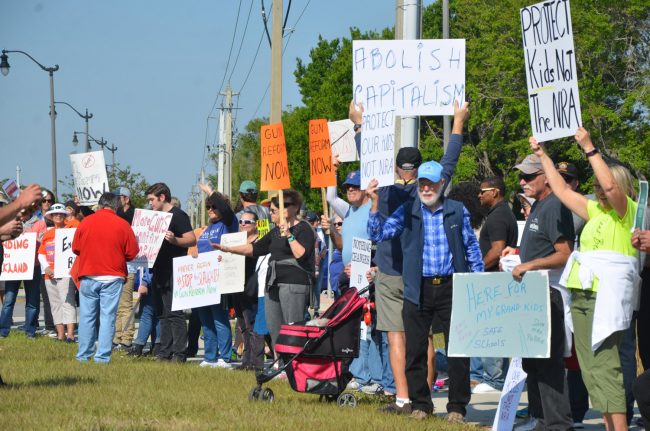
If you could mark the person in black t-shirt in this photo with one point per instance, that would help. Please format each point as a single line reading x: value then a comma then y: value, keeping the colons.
x: 179, y: 237
x: 500, y: 228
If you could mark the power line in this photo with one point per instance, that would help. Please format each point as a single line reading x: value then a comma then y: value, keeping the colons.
x: 241, y: 43
x: 252, y: 63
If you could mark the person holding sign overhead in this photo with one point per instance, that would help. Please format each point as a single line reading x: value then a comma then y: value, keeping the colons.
x: 291, y: 265
x: 602, y: 276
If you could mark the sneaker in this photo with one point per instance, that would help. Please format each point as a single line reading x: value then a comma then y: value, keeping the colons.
x: 455, y: 418
x: 353, y: 385
x: 52, y: 334
x: 527, y: 425
x: 578, y: 425
x: 69, y: 340
x: 418, y: 415
x: 522, y: 413
x: 484, y: 388
x: 372, y: 389
x: 179, y: 359
x: 393, y: 408
x: 121, y: 347
x: 281, y: 376
x: 206, y: 364
x: 223, y: 364
x: 136, y: 351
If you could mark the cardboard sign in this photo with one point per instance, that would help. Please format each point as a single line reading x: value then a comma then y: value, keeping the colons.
x: 411, y: 77
x: 342, y: 138
x: 275, y: 169
x: 89, y: 173
x: 321, y: 171
x: 19, y: 257
x: 551, y: 74
x: 495, y: 316
x: 11, y: 189
x: 378, y: 148
x: 361, y: 249
x: 642, y: 202
x: 509, y: 400
x: 196, y: 281
x: 149, y: 228
x: 63, y: 256
x: 232, y: 266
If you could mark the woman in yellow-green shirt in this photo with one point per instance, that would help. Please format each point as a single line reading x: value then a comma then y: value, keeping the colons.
x: 605, y: 267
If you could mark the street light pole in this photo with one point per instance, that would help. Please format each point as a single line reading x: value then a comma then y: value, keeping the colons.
x: 4, y: 69
x: 85, y: 117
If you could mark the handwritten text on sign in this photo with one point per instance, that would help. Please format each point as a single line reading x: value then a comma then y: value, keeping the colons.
x: 320, y: 155
x: 412, y: 77
x: 196, y: 281
x: 149, y: 228
x: 361, y: 250
x: 275, y: 169
x: 232, y: 265
x: 510, y: 395
x: 89, y: 173
x: 378, y: 148
x: 493, y: 315
x: 19, y: 257
x: 63, y: 256
x: 342, y: 138
x: 550, y: 59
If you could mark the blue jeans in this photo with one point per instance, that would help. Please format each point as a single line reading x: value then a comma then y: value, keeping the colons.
x: 216, y: 333
x: 489, y: 370
x: 149, y: 324
x: 96, y: 298
x: 32, y: 304
x: 372, y: 364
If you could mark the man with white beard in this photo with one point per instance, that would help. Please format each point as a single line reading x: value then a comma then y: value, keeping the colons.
x: 437, y: 240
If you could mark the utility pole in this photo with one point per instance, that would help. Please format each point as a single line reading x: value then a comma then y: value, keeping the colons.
x: 446, y: 120
x: 227, y: 172
x: 410, y: 129
x: 399, y: 35
x: 276, y: 62
x: 112, y: 149
x: 202, y: 206
x: 18, y: 176
x: 221, y: 156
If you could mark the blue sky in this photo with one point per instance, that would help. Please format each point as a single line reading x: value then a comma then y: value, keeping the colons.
x: 149, y: 71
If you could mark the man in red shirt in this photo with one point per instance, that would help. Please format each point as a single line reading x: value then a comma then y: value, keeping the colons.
x: 103, y: 242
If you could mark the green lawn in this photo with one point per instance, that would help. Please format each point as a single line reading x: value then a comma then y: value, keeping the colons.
x: 47, y: 389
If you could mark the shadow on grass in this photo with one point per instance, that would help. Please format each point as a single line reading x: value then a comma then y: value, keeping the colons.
x: 51, y: 382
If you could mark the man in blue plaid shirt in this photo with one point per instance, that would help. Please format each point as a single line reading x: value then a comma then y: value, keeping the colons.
x: 437, y: 240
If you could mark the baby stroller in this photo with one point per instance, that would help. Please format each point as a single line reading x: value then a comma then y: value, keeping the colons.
x: 317, y: 355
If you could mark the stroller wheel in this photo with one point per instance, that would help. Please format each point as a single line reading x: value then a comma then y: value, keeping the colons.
x: 254, y: 393
x: 346, y: 400
x: 266, y: 395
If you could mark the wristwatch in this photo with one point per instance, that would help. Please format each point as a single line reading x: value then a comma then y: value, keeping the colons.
x: 356, y: 127
x: 592, y: 152
x: 291, y: 238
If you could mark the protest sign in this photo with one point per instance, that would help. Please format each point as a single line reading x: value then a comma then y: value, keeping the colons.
x: 196, y: 281
x: 493, y: 316
x: 409, y: 77
x: 342, y: 139
x: 149, y: 228
x: 63, y: 256
x: 321, y: 171
x: 378, y: 148
x: 19, y: 257
x: 232, y: 266
x: 510, y: 395
x: 89, y: 173
x: 275, y: 169
x: 11, y: 189
x: 551, y: 75
x: 642, y: 202
x: 361, y: 249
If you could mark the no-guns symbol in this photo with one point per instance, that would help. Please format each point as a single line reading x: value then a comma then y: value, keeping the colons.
x: 88, y: 161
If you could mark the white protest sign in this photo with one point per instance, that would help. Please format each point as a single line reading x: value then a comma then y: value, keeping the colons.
x: 642, y: 202
x: 63, y: 255
x: 89, y: 173
x: 19, y: 257
x: 378, y: 148
x: 196, y: 281
x: 11, y: 189
x: 232, y: 266
x: 495, y: 316
x: 361, y: 249
x: 509, y: 400
x: 149, y: 228
x: 551, y: 75
x: 411, y: 77
x: 342, y: 139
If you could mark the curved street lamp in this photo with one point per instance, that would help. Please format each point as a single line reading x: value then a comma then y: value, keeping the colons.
x: 85, y: 117
x: 4, y: 69
x: 75, y: 141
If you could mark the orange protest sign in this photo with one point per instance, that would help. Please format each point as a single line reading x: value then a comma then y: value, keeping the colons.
x: 275, y: 169
x: 320, y: 155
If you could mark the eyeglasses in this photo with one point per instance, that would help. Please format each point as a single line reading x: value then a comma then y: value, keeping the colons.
x: 49, y: 201
x: 246, y: 221
x: 352, y: 189
x: 529, y: 177
x: 338, y: 223
x: 210, y: 207
x: 275, y: 210
x: 487, y: 190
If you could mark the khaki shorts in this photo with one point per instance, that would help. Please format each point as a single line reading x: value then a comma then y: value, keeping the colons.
x: 389, y: 299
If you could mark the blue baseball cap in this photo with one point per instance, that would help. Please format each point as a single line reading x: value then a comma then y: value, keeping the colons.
x: 432, y: 171
x: 353, y: 179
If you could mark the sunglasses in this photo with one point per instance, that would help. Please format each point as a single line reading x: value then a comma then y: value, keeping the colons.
x: 246, y: 221
x: 487, y: 190
x: 211, y: 207
x: 49, y: 201
x: 338, y: 223
x: 529, y: 177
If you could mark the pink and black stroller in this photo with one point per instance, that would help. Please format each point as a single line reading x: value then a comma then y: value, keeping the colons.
x: 316, y: 358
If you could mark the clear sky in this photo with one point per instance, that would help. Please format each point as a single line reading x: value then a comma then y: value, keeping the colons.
x: 149, y: 72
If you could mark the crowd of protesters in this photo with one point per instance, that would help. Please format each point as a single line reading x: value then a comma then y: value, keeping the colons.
x: 423, y: 229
